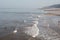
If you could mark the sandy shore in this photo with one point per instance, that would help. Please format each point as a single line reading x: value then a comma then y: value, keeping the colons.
x: 52, y: 14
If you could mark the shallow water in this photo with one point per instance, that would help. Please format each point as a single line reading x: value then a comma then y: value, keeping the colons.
x: 11, y: 21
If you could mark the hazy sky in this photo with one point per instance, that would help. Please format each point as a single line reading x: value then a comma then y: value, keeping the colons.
x: 27, y: 3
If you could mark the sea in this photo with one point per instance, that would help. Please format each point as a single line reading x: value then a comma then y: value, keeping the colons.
x: 11, y: 17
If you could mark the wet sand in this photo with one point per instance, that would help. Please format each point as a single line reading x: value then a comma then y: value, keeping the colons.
x: 55, y: 28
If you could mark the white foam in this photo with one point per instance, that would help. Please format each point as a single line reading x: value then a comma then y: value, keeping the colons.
x: 32, y: 31
x: 15, y: 31
x: 38, y: 16
x: 35, y: 25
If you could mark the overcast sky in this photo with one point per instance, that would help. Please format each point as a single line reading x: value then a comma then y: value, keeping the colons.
x: 27, y: 3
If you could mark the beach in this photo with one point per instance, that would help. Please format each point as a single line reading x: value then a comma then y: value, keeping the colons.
x: 48, y: 27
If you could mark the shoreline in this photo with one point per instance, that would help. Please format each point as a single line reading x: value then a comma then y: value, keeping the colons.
x: 51, y: 14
